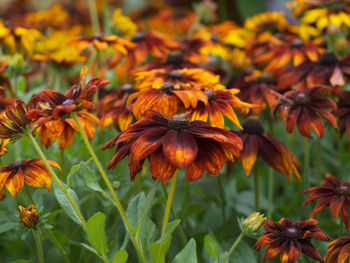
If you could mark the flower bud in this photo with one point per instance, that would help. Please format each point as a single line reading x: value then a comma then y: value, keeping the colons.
x: 29, y: 216
x: 252, y: 223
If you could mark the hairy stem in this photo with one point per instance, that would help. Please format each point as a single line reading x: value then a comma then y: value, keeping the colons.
x: 233, y: 247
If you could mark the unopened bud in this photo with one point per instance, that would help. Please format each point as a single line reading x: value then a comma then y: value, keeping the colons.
x: 116, y: 184
x: 252, y: 223
x: 29, y: 216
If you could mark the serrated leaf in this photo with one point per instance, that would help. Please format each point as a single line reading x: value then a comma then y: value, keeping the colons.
x: 95, y: 229
x: 64, y: 202
x: 120, y: 257
x: 188, y: 254
x: 211, y: 247
x: 159, y: 249
x: 89, y: 177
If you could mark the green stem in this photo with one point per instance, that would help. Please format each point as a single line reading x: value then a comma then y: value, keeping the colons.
x: 169, y: 201
x: 57, y: 180
x: 29, y: 195
x: 94, y: 17
x: 39, y: 247
x: 306, y: 163
x: 233, y: 247
x: 180, y: 230
x: 58, y: 245
x: 109, y: 185
x: 256, y: 186
x: 270, y: 193
x: 223, y: 203
x: 318, y: 162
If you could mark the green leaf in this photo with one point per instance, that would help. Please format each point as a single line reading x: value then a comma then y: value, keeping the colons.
x: 7, y: 227
x: 120, y: 257
x: 188, y: 254
x: 95, y: 229
x: 91, y: 249
x: 64, y: 202
x: 133, y: 213
x: 170, y: 228
x: 89, y: 177
x: 21, y: 84
x: 71, y: 173
x: 20, y: 261
x: 159, y: 249
x: 211, y: 247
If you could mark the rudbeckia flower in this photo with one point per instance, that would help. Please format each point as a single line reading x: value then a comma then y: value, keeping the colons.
x: 174, y: 143
x: 3, y: 143
x: 343, y: 112
x: 51, y: 116
x: 338, y: 250
x: 31, y: 171
x: 123, y: 24
x: 258, y: 143
x: 332, y: 193
x: 327, y: 70
x: 303, y: 107
x: 268, y: 21
x: 290, y: 239
x: 29, y: 216
x: 13, y: 121
x: 323, y: 17
x: 220, y: 103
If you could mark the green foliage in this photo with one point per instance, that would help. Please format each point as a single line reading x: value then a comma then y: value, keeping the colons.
x: 188, y: 254
x: 211, y: 247
x: 120, y: 257
x: 96, y: 233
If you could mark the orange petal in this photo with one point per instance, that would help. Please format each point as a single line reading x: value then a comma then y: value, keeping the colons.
x: 15, y: 183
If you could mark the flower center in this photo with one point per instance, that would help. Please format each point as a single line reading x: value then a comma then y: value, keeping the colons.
x: 138, y: 37
x: 253, y: 126
x: 174, y: 74
x: 175, y: 57
x: 292, y: 232
x: 16, y: 164
x: 68, y: 102
x: 167, y: 86
x: 301, y: 99
x: 343, y: 190
x: 328, y: 58
x: 211, y: 95
x: 128, y: 88
x: 178, y: 123
x: 297, y: 43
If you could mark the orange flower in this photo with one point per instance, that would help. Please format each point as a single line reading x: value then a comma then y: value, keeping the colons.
x: 29, y: 216
x: 52, y: 113
x: 31, y: 171
x: 290, y: 239
x: 338, y: 250
x: 327, y: 70
x: 174, y: 143
x: 220, y: 103
x: 13, y: 121
x: 343, y: 112
x: 332, y: 193
x: 258, y: 143
x: 303, y: 107
x: 3, y: 143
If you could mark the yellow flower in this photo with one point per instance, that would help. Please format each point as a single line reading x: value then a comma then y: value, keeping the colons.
x: 56, y: 16
x: 323, y: 17
x: 124, y: 24
x: 29, y: 216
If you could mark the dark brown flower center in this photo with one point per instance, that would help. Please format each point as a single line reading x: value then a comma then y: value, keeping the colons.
x: 292, y: 233
x: 253, y: 126
x: 128, y: 88
x: 297, y: 43
x: 210, y: 94
x: 301, y: 99
x: 178, y: 123
x: 167, y: 86
x: 328, y: 58
x: 138, y: 37
x: 175, y: 57
x: 174, y: 74
x: 266, y: 78
x: 343, y: 190
x: 16, y: 164
x: 68, y: 102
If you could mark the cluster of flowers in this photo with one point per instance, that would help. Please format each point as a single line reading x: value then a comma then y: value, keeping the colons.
x: 176, y: 77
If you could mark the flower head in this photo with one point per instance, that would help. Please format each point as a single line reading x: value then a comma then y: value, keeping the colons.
x: 258, y: 143
x: 303, y: 107
x: 290, y: 239
x: 332, y: 193
x: 174, y: 143
x: 252, y: 223
x: 338, y: 250
x: 29, y: 216
x: 13, y: 121
x: 31, y: 171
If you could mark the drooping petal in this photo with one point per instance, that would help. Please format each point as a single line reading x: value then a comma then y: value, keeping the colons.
x: 250, y: 152
x: 160, y: 167
x: 15, y: 182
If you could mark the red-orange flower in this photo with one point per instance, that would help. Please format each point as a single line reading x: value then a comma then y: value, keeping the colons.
x: 303, y: 107
x: 338, y: 250
x: 332, y: 193
x: 343, y: 112
x: 174, y: 143
x: 29, y: 216
x: 31, y: 171
x: 290, y: 239
x: 258, y: 143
